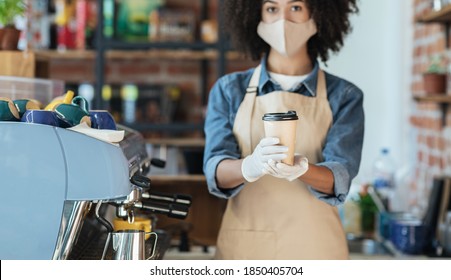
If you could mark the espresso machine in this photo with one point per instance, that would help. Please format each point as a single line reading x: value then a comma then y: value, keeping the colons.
x: 57, y: 185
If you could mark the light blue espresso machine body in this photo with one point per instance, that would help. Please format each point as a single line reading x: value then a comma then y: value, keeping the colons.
x: 41, y: 169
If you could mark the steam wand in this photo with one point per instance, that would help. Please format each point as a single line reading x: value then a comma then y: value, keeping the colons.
x: 106, y: 224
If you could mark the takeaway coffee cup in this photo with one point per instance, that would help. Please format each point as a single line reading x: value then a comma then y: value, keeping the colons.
x: 282, y: 126
x: 102, y: 119
x: 8, y: 112
x: 75, y: 113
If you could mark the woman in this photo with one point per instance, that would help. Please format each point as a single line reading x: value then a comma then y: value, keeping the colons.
x: 275, y: 210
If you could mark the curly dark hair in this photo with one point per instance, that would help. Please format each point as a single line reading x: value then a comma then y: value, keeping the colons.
x: 331, y: 17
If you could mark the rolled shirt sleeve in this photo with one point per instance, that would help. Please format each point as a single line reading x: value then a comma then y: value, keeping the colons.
x: 213, y: 188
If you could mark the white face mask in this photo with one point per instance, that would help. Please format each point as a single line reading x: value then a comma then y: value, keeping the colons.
x: 286, y: 37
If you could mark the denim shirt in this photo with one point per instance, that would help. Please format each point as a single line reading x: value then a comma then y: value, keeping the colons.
x: 343, y: 145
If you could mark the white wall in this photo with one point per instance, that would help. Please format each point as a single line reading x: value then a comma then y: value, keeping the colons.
x: 377, y: 58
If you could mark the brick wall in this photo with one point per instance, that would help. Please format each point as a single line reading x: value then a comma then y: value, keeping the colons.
x: 431, y: 127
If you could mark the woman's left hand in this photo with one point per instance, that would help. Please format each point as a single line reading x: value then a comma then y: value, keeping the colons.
x: 289, y: 172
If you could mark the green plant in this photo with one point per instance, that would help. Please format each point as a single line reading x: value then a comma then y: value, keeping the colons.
x: 368, y: 210
x: 9, y: 9
x: 436, y: 65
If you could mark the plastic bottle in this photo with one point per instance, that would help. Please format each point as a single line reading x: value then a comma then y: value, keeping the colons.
x: 384, y: 176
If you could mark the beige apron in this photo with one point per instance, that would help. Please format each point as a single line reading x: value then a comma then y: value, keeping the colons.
x: 273, y: 218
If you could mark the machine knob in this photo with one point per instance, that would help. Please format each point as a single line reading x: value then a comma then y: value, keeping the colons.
x: 158, y: 162
x: 140, y: 181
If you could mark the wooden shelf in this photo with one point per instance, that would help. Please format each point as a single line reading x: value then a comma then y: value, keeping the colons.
x: 48, y: 55
x: 118, y: 44
x: 439, y: 98
x: 178, y: 142
x: 442, y: 16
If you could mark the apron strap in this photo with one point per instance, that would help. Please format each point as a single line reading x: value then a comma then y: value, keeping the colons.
x: 255, y: 79
x: 321, y: 89
x: 246, y: 110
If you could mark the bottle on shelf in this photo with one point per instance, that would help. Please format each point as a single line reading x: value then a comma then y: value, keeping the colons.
x: 129, y: 96
x: 108, y: 18
x: 86, y: 90
x: 383, y: 179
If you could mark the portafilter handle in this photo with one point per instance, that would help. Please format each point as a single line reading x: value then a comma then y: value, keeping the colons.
x: 124, y: 207
x: 167, y: 197
x: 171, y: 210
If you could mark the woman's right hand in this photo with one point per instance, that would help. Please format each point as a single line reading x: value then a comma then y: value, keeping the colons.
x: 253, y: 166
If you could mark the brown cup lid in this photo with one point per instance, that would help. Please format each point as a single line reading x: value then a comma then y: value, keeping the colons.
x: 288, y: 116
